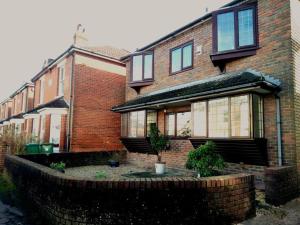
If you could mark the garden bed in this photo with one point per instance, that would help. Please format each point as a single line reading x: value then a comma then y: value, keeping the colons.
x: 124, y: 171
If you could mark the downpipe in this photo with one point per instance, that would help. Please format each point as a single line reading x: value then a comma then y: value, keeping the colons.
x: 279, y: 132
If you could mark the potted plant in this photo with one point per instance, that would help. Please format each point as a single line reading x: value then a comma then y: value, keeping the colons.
x: 205, y: 160
x: 114, y: 161
x: 159, y: 143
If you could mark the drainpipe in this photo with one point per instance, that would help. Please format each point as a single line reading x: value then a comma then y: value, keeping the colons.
x: 279, y: 134
x: 70, y: 116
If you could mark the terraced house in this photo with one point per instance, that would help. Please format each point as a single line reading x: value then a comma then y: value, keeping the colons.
x: 231, y: 76
x: 13, y: 109
x: 72, y: 100
x: 5, y: 113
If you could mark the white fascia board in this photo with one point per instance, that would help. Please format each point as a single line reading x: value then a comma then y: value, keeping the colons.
x: 31, y: 116
x: 6, y: 123
x: 16, y: 121
x: 55, y: 111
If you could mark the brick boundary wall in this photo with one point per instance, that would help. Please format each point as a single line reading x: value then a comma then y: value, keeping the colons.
x: 66, y: 200
x: 281, y: 184
x: 74, y: 159
x: 3, y: 150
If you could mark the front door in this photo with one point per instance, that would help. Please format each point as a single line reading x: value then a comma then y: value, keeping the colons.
x: 55, y: 126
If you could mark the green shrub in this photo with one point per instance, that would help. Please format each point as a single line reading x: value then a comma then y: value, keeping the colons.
x: 158, y: 141
x: 100, y: 175
x: 58, y: 166
x: 205, y: 160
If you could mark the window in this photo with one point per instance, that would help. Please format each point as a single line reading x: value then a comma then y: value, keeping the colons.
x: 35, y: 127
x: 228, y: 117
x: 182, y: 57
x: 218, y: 118
x: 136, y: 124
x: 178, y: 124
x: 42, y: 91
x: 124, y: 124
x: 24, y: 101
x: 235, y: 28
x: 133, y: 124
x: 199, y: 119
x: 61, y: 79
x: 240, y: 116
x: 226, y: 31
x: 183, y: 123
x: 151, y: 119
x: 257, y: 105
x: 42, y: 130
x: 142, y: 67
x: 170, y: 124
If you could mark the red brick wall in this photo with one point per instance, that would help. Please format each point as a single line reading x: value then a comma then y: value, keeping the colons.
x: 47, y: 128
x: 63, y: 133
x: 95, y: 126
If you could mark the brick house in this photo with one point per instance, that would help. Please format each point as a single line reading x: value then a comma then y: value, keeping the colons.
x: 73, y: 97
x: 5, y: 113
x: 22, y: 101
x: 231, y: 76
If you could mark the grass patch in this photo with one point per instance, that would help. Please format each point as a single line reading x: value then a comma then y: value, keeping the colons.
x: 101, y: 175
x: 7, y: 190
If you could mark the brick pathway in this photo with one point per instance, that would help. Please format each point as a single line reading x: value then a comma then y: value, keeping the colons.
x: 10, y: 215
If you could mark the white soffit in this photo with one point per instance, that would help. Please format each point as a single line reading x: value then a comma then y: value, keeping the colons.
x: 100, y: 64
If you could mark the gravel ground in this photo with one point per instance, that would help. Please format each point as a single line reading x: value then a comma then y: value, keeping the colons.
x: 103, y: 171
x: 288, y: 214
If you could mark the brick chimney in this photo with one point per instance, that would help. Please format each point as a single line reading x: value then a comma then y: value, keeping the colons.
x: 80, y: 38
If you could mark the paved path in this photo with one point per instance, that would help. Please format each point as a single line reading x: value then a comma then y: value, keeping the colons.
x: 10, y: 215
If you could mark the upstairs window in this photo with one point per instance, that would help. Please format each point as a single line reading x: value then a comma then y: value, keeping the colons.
x: 181, y: 58
x: 142, y: 67
x: 42, y: 90
x: 61, y: 80
x: 235, y: 29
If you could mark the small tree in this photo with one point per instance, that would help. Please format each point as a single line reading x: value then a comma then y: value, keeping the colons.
x: 205, y: 160
x: 158, y: 141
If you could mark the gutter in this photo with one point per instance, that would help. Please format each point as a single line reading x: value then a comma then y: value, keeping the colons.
x: 279, y: 131
x: 183, y: 29
x: 247, y: 87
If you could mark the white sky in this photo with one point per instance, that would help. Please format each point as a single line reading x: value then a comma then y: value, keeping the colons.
x: 33, y: 30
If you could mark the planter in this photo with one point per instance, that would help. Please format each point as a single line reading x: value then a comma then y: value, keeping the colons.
x: 160, y: 168
x: 113, y: 163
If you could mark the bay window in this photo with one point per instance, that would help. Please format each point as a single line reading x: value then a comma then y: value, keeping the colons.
x: 178, y: 124
x: 142, y: 67
x: 229, y: 117
x: 235, y: 29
